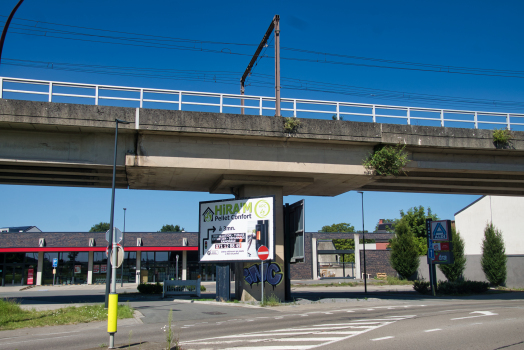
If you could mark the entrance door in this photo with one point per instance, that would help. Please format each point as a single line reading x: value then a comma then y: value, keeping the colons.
x: 17, y: 275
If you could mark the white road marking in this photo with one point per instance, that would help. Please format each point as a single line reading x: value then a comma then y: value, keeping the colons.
x: 433, y: 330
x: 483, y: 314
x: 383, y: 338
x: 316, y: 335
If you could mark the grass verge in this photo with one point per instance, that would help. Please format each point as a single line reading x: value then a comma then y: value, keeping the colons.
x: 12, y: 316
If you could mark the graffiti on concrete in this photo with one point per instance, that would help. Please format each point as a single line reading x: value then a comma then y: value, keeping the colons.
x: 272, y: 274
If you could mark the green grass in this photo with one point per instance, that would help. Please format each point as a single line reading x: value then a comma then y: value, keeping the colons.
x: 12, y: 316
x: 271, y: 300
x: 395, y: 281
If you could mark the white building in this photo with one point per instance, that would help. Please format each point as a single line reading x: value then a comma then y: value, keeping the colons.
x: 505, y: 214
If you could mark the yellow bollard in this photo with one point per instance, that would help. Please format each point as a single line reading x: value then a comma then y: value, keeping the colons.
x: 112, y: 313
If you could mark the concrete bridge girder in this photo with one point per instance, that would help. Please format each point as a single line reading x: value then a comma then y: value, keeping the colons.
x: 72, y: 145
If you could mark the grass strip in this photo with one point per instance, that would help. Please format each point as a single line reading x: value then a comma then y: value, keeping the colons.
x: 12, y: 316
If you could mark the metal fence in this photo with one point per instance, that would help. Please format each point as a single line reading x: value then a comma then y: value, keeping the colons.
x: 53, y: 91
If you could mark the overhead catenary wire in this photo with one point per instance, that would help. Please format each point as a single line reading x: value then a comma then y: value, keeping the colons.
x: 155, y: 41
x: 263, y: 80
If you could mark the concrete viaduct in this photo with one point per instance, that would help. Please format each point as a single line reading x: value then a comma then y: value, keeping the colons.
x: 57, y: 144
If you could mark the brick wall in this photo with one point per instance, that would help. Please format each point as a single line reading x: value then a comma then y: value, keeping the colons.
x: 376, y: 261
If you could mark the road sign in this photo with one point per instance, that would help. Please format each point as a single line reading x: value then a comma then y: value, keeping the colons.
x: 118, y: 235
x: 263, y: 253
x: 119, y: 255
x: 55, y: 262
x: 431, y: 253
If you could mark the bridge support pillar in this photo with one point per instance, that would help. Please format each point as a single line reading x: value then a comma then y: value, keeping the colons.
x: 244, y: 291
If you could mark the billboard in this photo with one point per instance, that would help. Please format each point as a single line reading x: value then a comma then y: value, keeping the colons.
x: 233, y: 230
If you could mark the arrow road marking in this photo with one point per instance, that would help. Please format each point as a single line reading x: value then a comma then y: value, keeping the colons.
x: 483, y: 313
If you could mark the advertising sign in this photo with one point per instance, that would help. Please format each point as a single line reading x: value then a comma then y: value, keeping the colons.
x: 103, y: 268
x: 30, y: 273
x: 78, y: 268
x: 439, y: 242
x: 96, y: 268
x: 233, y: 230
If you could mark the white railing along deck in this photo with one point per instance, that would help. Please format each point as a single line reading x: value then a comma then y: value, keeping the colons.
x: 219, y: 102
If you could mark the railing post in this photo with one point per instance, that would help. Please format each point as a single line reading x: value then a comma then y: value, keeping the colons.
x: 508, y: 124
x: 260, y: 106
x: 50, y: 91
x: 180, y: 100
x: 96, y: 95
x: 442, y: 117
x: 1, y: 87
x: 221, y: 102
x: 295, y: 108
x: 374, y: 116
x: 409, y: 116
x: 476, y: 121
x: 338, y: 111
x: 141, y: 98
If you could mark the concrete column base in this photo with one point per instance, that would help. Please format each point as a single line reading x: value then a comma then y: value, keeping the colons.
x: 253, y: 292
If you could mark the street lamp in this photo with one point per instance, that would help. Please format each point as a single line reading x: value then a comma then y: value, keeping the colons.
x: 7, y: 22
x: 364, y: 244
x: 112, y: 282
x: 108, y: 272
x: 123, y: 241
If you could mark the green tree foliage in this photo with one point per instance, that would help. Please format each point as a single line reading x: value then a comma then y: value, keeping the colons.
x: 100, y: 227
x: 493, y: 260
x: 342, y: 227
x: 171, y: 228
x: 454, y: 271
x: 387, y: 160
x: 342, y: 244
x: 404, y: 250
x: 416, y: 219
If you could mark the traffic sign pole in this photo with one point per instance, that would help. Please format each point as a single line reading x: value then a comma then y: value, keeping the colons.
x: 263, y: 254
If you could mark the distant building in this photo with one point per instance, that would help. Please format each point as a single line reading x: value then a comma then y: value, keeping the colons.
x: 20, y: 229
x: 505, y: 214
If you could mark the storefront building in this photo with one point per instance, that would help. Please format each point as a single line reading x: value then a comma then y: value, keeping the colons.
x: 26, y: 258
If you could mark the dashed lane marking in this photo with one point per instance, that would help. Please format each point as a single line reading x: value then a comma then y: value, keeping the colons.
x: 383, y: 338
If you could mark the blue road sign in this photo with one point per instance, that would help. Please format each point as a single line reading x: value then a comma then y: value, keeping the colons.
x: 55, y: 262
x: 431, y: 253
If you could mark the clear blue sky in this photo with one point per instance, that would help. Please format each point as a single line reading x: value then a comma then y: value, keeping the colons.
x: 480, y: 34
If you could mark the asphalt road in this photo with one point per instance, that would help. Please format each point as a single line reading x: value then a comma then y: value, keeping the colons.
x: 388, y: 321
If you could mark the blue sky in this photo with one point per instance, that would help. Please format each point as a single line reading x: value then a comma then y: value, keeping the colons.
x: 480, y: 34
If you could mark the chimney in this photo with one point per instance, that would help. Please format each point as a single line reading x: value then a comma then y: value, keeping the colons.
x: 381, y: 221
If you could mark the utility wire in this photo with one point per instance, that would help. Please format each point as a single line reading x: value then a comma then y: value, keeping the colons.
x: 263, y: 80
x: 154, y: 40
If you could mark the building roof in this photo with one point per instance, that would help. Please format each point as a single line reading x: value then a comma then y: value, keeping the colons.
x: 20, y: 229
x: 469, y: 205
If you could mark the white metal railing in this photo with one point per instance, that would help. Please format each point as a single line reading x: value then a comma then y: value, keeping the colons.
x: 179, y: 98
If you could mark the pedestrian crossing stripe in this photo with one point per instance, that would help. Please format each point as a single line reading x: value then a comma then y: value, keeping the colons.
x: 439, y: 232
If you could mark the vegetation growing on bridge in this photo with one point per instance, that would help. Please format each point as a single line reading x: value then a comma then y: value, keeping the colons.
x: 387, y: 160
x: 502, y: 138
x: 291, y: 125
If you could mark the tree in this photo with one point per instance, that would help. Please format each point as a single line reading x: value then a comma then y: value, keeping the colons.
x: 100, y: 227
x: 493, y: 260
x: 342, y: 244
x: 171, y: 228
x: 454, y: 271
x: 404, y: 250
x: 342, y: 227
x: 416, y: 219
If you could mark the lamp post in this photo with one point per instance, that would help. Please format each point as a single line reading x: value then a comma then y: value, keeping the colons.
x: 364, y: 243
x: 4, y: 32
x: 123, y: 241
x: 114, y: 297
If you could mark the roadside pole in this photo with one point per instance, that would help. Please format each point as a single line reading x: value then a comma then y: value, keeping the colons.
x: 263, y: 254
x: 112, y: 309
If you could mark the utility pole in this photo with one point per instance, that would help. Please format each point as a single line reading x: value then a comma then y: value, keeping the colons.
x: 274, y: 26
